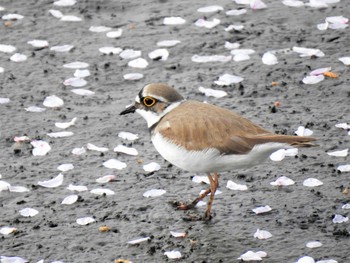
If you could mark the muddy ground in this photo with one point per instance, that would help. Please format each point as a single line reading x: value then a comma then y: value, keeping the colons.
x: 299, y: 214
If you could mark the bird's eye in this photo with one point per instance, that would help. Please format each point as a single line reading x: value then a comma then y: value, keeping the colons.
x: 148, y: 101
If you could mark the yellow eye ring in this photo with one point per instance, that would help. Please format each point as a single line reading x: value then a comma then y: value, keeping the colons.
x: 149, y: 101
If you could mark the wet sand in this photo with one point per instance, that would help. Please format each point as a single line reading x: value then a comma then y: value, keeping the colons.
x: 299, y: 214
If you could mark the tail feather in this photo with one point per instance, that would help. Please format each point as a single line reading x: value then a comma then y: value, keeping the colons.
x: 295, y: 141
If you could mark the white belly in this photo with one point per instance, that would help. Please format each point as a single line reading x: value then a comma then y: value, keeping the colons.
x: 211, y: 160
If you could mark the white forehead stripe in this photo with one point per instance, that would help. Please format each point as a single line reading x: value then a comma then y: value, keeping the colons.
x: 137, y: 99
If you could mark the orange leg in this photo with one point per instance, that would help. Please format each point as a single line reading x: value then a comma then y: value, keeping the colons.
x: 182, y: 206
x: 213, y: 185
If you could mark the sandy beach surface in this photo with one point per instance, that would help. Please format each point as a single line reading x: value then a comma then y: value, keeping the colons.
x: 273, y: 96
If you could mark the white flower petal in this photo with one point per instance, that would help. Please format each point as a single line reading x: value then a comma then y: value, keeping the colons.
x: 99, y: 29
x: 312, y: 182
x: 65, y: 2
x: 133, y: 76
x: 53, y: 102
x: 151, y: 167
x: 52, y: 183
x: 262, y: 209
x: 102, y: 191
x: 213, y: 58
x: 5, y: 259
x: 115, y: 34
x: 283, y: 181
x: 257, y: 4
x: 346, y: 206
x: 64, y: 125
x: 200, y: 179
x: 70, y: 18
x: 85, y: 220
x: 313, y: 244
x: 83, y: 92
x: 78, y: 151
x: 35, y: 109
x: 110, y: 50
x: 305, y: 259
x: 6, y: 230
x: 178, y: 234
x: 345, y: 60
x: 322, y: 26
x: 338, y: 219
x: 130, y: 54
x: 293, y: 3
x: 308, y: 52
x: 212, y: 92
x: 313, y: 79
x: 344, y: 126
x: 228, y: 79
x: 159, y: 54
x: 75, y: 82
x: 342, y: 153
x: 168, y: 43
x: 28, y: 212
x: 70, y: 199
x: 344, y: 168
x: 18, y: 189
x: 60, y: 134
x: 262, y: 234
x: 229, y: 45
x: 4, y: 100
x: 105, y: 179
x: 114, y: 164
x: 241, y: 57
x: 269, y: 59
x: 210, y: 9
x: 154, y: 193
x: 78, y: 188
x: 128, y: 136
x: 56, y: 13
x: 237, y: 187
x: 76, y: 65
x: 4, y: 186
x: 12, y: 17
x: 234, y: 27
x: 63, y: 48
x: 173, y: 254
x: 138, y: 63
x: 17, y: 57
x: 207, y: 24
x: 41, y: 148
x: 65, y: 167
x: 38, y: 43
x: 236, y: 12
x: 139, y: 240
x: 337, y: 19
x: 93, y: 147
x: 126, y: 150
x: 302, y: 131
x: 320, y: 71
x: 250, y: 256
x: 174, y: 21
x: 7, y: 48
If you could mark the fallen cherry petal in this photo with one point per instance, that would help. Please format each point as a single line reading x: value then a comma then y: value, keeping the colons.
x: 99, y: 29
x: 4, y: 100
x: 5, y: 259
x: 75, y: 82
x: 18, y: 189
x: 173, y: 254
x: 313, y: 79
x: 41, y: 148
x: 233, y: 186
x: 168, y: 43
x: 154, y: 193
x: 102, y: 191
x: 76, y: 65
x: 65, y: 2
x: 338, y: 219
x: 115, y: 34
x: 53, y: 102
x: 128, y: 136
x: 262, y: 209
x: 344, y: 168
x: 312, y: 182
x: 212, y: 92
x: 6, y: 230
x: 7, y: 48
x: 85, y: 220
x: 105, y: 179
x: 60, y: 134
x: 283, y: 181
x: 38, y: 43
x: 139, y: 240
x: 28, y: 212
x: 178, y: 234
x: 302, y: 131
x: 70, y: 18
x: 210, y: 9
x: 138, y: 63
x: 64, y: 125
x: 114, y: 164
x: 56, y: 13
x: 313, y: 244
x: 63, y: 48
x: 17, y: 57
x: 126, y: 150
x: 93, y: 147
x: 151, y: 167
x: 200, y: 179
x: 65, y: 167
x: 83, y: 92
x: 342, y: 153
x: 174, y: 21
x: 53, y: 183
x: 269, y: 59
x: 228, y: 79
x: 110, y: 50
x: 71, y: 199
x: 159, y: 54
x: 262, y: 234
x: 78, y: 151
x: 305, y: 259
x: 250, y: 256
x: 133, y: 76
x: 78, y: 188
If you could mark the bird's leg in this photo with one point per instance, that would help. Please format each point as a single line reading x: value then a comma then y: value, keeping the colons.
x: 182, y: 206
x: 213, y: 185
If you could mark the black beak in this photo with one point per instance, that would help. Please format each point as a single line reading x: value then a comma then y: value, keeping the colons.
x: 128, y: 110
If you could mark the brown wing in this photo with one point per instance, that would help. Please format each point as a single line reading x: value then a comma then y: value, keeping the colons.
x: 199, y: 126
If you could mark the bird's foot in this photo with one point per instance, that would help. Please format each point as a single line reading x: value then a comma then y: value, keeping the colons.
x: 182, y: 206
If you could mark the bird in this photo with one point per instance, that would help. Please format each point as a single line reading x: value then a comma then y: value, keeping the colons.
x: 203, y: 138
